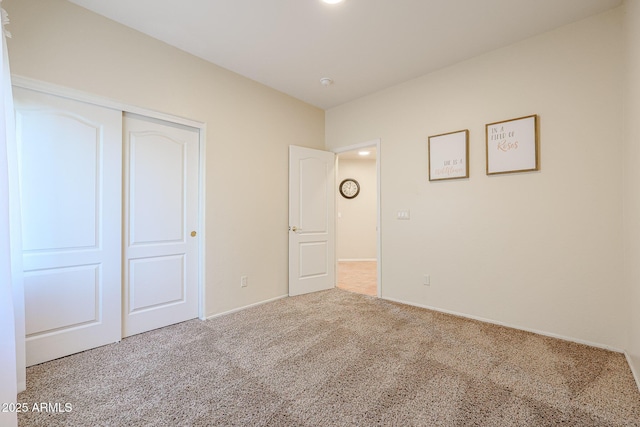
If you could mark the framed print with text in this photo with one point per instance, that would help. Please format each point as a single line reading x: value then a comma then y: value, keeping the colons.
x: 512, y: 145
x: 449, y: 155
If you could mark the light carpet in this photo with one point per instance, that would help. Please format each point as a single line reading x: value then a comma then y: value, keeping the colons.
x: 335, y: 358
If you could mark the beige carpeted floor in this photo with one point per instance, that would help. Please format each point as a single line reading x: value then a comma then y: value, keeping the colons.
x: 336, y: 358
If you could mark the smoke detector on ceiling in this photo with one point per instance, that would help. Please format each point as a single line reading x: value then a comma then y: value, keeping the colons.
x: 326, y: 81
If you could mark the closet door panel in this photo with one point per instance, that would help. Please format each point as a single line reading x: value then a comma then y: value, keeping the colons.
x: 70, y: 155
x: 161, y: 221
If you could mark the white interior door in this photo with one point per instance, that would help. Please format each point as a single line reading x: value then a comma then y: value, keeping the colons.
x: 311, y: 220
x: 70, y: 163
x: 161, y: 224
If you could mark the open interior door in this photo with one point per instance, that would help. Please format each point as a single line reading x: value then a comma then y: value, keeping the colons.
x: 311, y: 220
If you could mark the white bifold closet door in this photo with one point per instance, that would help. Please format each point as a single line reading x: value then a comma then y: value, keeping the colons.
x: 70, y: 156
x: 109, y: 223
x: 161, y: 222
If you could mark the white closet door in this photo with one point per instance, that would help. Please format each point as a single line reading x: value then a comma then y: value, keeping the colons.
x: 161, y: 224
x: 71, y: 179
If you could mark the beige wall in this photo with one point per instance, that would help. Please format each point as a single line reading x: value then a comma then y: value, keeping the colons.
x: 632, y: 180
x: 249, y: 129
x: 356, y: 222
x: 539, y: 250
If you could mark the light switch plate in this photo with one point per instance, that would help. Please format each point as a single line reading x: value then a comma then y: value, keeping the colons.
x: 405, y: 215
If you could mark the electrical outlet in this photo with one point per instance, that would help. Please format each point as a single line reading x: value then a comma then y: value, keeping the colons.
x: 243, y: 281
x: 427, y: 280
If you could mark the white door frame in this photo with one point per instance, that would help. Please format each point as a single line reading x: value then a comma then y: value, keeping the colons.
x: 64, y: 92
x: 372, y: 143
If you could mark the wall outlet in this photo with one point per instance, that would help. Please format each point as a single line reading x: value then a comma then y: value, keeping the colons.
x: 243, y: 281
x: 426, y: 280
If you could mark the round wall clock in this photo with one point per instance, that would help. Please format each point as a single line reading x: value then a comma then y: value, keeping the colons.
x: 349, y: 188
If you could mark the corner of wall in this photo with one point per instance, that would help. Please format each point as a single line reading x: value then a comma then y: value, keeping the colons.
x: 631, y: 183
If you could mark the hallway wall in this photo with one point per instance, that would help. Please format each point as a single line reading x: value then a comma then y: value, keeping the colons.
x: 356, y: 222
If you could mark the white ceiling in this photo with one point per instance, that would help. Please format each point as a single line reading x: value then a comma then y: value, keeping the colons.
x: 363, y: 45
x: 353, y: 155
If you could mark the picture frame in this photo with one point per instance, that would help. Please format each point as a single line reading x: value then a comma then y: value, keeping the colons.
x: 512, y: 145
x: 449, y: 155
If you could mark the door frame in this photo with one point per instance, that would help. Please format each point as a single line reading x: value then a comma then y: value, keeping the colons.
x: 64, y: 92
x: 372, y: 143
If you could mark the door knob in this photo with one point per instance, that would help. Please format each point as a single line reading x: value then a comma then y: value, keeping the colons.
x: 193, y: 234
x: 294, y: 229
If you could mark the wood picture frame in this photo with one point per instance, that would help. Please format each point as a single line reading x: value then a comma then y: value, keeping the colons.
x: 449, y: 155
x: 512, y: 145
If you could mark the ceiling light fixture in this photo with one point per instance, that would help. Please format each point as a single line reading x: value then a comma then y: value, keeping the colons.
x: 326, y: 81
x: 332, y: 1
x: 364, y: 153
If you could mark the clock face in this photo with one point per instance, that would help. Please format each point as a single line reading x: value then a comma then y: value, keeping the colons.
x: 349, y: 188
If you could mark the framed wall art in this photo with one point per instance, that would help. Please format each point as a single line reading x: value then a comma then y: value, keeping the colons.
x: 512, y: 145
x: 449, y: 155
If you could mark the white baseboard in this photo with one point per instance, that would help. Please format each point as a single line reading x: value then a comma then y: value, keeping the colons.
x: 507, y: 325
x: 235, y: 310
x: 356, y: 259
x: 636, y: 374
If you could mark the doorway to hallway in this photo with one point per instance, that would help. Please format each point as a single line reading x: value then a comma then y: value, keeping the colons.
x: 358, y: 276
x: 357, y: 226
